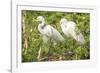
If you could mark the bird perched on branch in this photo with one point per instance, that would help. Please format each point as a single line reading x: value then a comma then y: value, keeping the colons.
x: 48, y: 32
x: 70, y: 29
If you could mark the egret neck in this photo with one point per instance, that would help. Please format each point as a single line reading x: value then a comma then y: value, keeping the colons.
x: 41, y: 27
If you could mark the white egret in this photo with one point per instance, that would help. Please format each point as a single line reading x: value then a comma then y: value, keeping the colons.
x: 48, y: 31
x: 70, y: 29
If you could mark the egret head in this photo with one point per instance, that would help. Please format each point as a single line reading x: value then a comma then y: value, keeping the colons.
x: 63, y: 20
x: 40, y: 19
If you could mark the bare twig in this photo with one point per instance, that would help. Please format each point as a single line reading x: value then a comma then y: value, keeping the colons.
x: 39, y: 54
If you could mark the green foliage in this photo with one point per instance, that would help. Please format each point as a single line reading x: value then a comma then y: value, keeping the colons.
x: 68, y: 50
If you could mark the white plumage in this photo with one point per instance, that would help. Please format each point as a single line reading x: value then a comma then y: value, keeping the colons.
x: 48, y: 31
x: 70, y: 29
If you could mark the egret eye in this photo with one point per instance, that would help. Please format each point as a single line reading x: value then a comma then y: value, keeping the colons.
x: 39, y: 22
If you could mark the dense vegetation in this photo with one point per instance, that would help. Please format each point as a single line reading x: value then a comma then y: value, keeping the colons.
x: 32, y: 43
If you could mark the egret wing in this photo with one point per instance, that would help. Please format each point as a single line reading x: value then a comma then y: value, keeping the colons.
x: 56, y: 35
